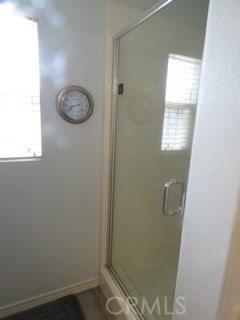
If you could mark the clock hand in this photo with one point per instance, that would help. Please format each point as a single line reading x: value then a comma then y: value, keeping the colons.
x: 75, y: 105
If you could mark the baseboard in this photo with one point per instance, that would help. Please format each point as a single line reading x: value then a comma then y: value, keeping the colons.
x: 47, y: 297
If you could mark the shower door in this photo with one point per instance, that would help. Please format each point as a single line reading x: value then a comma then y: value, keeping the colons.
x: 158, y: 75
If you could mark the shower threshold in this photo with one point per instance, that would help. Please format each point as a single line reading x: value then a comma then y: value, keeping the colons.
x: 150, y: 288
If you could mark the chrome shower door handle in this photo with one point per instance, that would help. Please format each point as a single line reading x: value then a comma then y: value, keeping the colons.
x: 167, y: 187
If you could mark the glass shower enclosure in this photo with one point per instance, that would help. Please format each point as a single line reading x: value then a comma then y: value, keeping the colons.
x: 158, y: 64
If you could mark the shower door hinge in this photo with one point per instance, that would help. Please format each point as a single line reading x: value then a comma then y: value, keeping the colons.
x: 120, y: 88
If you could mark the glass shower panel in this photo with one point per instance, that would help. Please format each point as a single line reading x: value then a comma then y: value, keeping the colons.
x: 159, y: 69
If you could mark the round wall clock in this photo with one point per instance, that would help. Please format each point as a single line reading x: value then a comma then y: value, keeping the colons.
x: 75, y: 104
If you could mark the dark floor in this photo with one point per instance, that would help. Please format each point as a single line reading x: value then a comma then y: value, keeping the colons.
x: 92, y: 303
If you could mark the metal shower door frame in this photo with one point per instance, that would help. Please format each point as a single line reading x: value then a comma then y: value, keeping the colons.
x: 116, y: 44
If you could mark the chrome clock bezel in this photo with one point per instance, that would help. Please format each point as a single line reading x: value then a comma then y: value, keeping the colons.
x: 61, y: 98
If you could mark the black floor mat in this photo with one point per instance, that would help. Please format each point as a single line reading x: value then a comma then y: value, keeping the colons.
x: 66, y: 308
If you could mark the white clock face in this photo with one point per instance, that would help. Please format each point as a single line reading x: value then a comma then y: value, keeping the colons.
x: 75, y: 104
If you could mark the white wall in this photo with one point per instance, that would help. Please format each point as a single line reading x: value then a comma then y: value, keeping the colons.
x: 49, y: 209
x: 208, y: 270
x: 143, y: 4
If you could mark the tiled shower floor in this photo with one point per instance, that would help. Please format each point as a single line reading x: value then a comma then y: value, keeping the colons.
x: 152, y: 283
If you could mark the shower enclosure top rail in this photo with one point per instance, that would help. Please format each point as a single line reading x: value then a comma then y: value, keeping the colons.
x: 150, y: 12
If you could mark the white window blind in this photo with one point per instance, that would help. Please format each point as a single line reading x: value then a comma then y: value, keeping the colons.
x: 20, y: 125
x: 180, y: 101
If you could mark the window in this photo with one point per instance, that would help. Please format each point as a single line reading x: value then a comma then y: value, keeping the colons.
x: 180, y: 101
x: 20, y: 125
